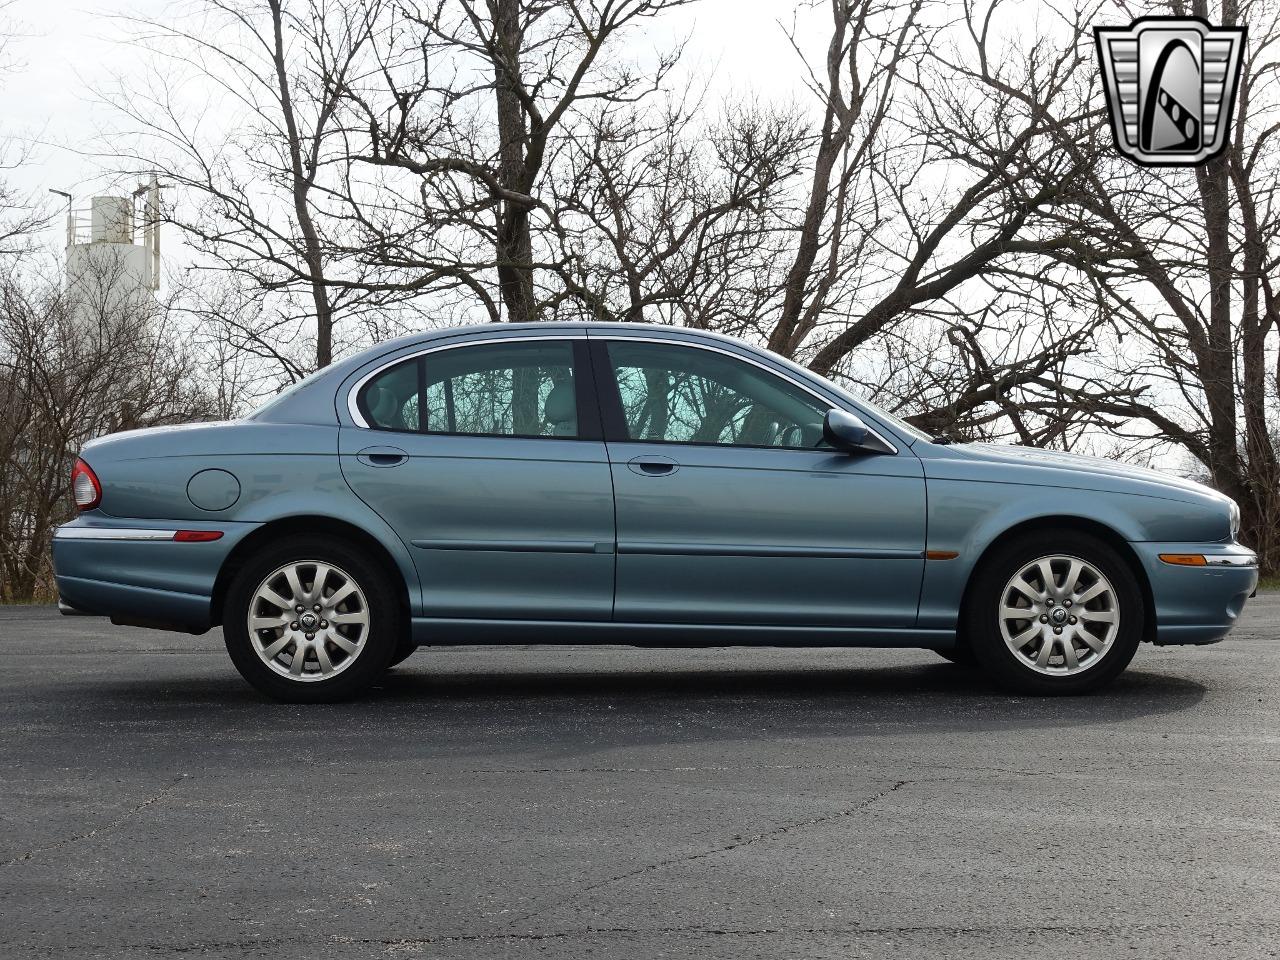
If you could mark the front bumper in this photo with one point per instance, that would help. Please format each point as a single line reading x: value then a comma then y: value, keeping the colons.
x: 134, y: 572
x: 1198, y: 604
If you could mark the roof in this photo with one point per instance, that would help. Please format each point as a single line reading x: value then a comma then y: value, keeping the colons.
x: 565, y: 325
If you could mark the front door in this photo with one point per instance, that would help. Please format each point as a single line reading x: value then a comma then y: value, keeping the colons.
x: 731, y: 510
x: 487, y: 459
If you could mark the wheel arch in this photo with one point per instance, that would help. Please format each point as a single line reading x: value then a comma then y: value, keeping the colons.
x: 307, y: 524
x: 1108, y: 535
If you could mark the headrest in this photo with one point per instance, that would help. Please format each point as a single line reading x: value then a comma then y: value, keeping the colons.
x: 560, y: 406
x: 382, y: 406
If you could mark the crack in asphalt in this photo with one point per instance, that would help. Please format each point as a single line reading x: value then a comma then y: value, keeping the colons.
x: 1001, y: 930
x: 734, y: 844
x: 848, y: 931
x: 96, y: 831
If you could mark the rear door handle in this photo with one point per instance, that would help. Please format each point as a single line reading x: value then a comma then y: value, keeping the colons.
x: 652, y: 466
x: 382, y: 456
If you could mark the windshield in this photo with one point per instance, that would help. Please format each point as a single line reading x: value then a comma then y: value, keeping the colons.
x: 915, y: 433
x: 910, y: 433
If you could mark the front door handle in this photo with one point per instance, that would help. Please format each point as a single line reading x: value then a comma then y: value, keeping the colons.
x: 382, y: 456
x: 652, y: 466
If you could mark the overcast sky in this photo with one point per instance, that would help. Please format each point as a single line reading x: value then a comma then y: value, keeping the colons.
x: 67, y: 47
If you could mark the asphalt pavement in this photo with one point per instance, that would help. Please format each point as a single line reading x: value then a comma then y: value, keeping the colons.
x: 615, y: 803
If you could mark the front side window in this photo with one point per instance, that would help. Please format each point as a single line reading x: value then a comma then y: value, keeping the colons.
x: 681, y: 394
x: 518, y: 389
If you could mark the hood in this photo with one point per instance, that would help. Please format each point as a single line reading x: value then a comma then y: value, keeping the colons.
x: 1088, y: 472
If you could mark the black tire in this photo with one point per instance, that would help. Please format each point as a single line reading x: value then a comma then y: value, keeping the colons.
x: 385, y: 630
x: 404, y: 651
x: 960, y: 655
x: 981, y: 621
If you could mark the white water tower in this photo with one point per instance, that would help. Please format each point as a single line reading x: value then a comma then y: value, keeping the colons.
x: 113, y: 253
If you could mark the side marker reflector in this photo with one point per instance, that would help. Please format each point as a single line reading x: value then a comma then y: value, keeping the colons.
x: 940, y: 554
x: 1184, y: 559
x: 196, y: 536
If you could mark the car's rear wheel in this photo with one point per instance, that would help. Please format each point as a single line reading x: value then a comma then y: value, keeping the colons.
x: 1055, y: 613
x: 960, y: 654
x: 311, y: 620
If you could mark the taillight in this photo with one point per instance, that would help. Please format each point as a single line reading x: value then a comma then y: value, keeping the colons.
x: 84, y: 486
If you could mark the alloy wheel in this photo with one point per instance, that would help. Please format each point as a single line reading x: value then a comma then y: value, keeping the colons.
x: 1059, y: 615
x: 308, y: 620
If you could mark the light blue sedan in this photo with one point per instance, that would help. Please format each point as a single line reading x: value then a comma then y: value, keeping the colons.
x: 561, y: 483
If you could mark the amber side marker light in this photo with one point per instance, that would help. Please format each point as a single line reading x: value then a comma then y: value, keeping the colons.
x: 197, y: 536
x: 940, y: 554
x: 1184, y: 559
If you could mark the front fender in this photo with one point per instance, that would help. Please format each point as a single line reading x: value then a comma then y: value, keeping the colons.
x: 966, y: 517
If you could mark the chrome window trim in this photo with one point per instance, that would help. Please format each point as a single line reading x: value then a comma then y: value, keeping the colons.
x: 111, y: 533
x: 354, y: 410
x: 604, y: 337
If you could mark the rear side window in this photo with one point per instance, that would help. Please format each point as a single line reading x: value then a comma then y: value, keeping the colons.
x: 520, y: 389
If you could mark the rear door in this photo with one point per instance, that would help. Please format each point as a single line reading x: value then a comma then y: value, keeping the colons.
x: 730, y: 509
x: 488, y: 459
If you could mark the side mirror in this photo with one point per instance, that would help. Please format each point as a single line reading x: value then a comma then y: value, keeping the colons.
x: 846, y: 431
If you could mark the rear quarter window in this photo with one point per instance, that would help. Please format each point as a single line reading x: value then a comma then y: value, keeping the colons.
x: 390, y: 400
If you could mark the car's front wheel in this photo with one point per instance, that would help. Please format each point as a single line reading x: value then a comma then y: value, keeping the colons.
x: 310, y: 620
x: 1056, y: 613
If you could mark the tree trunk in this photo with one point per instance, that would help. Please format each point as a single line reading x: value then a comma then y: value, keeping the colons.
x: 514, y: 245
x: 837, y: 122
x: 301, y: 181
x: 1214, y: 181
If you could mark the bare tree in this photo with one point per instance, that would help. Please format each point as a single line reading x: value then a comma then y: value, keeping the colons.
x: 256, y: 200
x: 925, y: 253
x: 661, y: 216
x: 1172, y: 269
x: 20, y: 218
x: 478, y: 101
x: 871, y: 42
x: 1186, y: 271
x: 73, y: 365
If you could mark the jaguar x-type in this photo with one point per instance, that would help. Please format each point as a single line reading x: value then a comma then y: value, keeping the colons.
x: 561, y: 483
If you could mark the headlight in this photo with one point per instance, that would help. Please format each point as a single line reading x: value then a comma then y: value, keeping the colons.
x: 1235, y: 518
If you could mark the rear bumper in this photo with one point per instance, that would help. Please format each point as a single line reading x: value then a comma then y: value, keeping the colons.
x: 67, y: 610
x: 1198, y: 604
x: 133, y: 572
x: 133, y: 606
